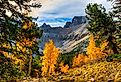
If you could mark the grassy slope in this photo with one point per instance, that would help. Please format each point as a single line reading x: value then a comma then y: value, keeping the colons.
x: 99, y: 72
x: 93, y: 72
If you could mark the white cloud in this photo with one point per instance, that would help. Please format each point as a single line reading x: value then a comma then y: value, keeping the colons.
x: 64, y: 8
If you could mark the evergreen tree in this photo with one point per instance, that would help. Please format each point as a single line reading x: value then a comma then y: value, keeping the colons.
x: 116, y: 14
x: 11, y: 25
x: 101, y: 24
x: 116, y: 9
x: 18, y: 33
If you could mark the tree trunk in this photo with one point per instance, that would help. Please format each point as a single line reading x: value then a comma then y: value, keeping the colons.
x: 113, y: 45
x: 30, y: 63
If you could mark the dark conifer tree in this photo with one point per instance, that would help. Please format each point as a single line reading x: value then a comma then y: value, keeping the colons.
x: 101, y: 24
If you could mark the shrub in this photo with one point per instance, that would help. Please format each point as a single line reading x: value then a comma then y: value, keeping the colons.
x: 116, y: 57
x: 36, y: 66
x: 8, y: 70
x: 67, y: 58
x: 63, y: 68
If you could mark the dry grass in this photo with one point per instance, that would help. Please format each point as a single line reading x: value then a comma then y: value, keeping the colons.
x: 93, y: 72
x: 98, y: 72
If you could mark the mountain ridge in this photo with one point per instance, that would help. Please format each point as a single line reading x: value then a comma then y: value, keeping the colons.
x: 68, y: 36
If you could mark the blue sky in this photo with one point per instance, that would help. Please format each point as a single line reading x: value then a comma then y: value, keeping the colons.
x: 57, y: 12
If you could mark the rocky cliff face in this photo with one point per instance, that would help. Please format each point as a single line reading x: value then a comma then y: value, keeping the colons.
x: 67, y: 25
x: 45, y: 26
x: 67, y: 37
x: 75, y: 37
x: 77, y: 20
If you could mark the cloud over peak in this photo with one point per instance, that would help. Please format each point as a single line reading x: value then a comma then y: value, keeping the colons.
x: 53, y: 10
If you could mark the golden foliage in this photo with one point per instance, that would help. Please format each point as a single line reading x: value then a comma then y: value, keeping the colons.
x: 25, y: 42
x: 27, y: 25
x: 10, y: 55
x: 63, y: 68
x: 103, y: 45
x: 77, y: 60
x: 93, y: 52
x: 14, y: 59
x: 96, y: 52
x: 49, y: 61
x: 20, y: 47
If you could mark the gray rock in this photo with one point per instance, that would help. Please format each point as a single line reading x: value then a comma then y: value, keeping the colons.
x: 67, y: 37
x: 67, y: 25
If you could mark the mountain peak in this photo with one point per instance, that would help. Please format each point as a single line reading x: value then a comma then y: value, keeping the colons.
x: 45, y: 26
x: 77, y: 20
x: 68, y: 37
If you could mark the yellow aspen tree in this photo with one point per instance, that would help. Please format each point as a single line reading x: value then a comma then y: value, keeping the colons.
x: 50, y: 57
x: 91, y: 48
x: 63, y: 68
x: 77, y: 60
x: 96, y: 52
x: 93, y: 52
